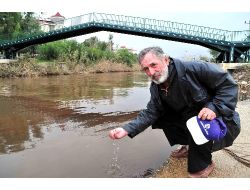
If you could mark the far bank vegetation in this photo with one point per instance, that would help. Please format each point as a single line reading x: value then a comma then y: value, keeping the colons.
x: 70, y: 56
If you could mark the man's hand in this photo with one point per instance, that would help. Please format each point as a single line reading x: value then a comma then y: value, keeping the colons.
x: 206, y: 113
x: 117, y: 133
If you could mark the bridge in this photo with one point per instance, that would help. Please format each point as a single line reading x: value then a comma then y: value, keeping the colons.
x: 232, y: 45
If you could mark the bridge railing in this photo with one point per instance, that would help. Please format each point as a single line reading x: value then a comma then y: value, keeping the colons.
x: 161, y: 26
x: 7, y: 38
x: 241, y: 36
x: 168, y: 26
x: 86, y: 18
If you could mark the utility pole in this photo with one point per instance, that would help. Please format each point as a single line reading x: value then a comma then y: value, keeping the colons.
x: 248, y: 38
x: 248, y: 22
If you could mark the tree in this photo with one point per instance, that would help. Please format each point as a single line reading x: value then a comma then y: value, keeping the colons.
x: 16, y: 24
x: 125, y: 56
x: 111, y: 42
x: 91, y: 42
x: 10, y: 25
x: 204, y: 58
x: 29, y: 23
x: 214, y: 54
x: 49, y: 51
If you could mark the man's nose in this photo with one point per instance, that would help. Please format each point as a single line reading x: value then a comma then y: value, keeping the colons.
x: 151, y: 71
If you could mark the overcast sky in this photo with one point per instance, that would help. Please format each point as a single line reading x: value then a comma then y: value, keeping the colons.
x: 220, y: 14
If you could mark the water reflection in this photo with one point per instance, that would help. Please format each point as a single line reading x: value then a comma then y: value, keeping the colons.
x: 28, y: 103
x: 33, y: 111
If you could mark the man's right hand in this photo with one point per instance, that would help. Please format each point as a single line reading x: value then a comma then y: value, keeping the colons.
x: 117, y: 133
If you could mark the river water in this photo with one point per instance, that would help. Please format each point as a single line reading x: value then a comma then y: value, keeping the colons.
x: 58, y: 127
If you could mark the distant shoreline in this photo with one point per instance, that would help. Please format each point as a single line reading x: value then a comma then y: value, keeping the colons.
x: 33, y: 68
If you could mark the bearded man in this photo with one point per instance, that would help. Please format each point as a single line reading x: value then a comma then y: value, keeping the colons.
x: 181, y: 90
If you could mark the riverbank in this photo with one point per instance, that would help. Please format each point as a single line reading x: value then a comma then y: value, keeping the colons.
x: 30, y: 67
x: 232, y: 162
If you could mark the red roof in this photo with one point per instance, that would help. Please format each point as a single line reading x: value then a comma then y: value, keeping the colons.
x: 57, y: 15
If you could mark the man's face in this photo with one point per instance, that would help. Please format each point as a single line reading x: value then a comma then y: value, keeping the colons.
x: 156, y: 68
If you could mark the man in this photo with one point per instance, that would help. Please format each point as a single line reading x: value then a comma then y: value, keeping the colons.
x: 179, y: 91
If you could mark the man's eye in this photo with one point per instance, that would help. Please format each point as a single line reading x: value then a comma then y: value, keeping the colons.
x: 153, y: 65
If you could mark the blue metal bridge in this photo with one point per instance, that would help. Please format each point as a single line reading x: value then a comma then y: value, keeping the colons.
x: 232, y: 45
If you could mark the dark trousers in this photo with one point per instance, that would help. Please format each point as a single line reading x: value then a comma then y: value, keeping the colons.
x: 199, y: 156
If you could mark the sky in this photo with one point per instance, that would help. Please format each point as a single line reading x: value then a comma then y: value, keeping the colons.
x: 213, y: 13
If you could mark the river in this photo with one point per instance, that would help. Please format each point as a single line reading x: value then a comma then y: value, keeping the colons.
x: 58, y: 127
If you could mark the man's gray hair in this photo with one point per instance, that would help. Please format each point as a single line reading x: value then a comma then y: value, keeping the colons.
x: 154, y: 50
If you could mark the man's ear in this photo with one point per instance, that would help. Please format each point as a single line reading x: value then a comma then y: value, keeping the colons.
x: 166, y: 59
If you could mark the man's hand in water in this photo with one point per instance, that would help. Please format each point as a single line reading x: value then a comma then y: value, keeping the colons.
x: 117, y: 133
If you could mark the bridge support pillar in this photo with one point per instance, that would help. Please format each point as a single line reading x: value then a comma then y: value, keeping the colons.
x: 9, y: 54
x: 247, y: 56
x: 1, y: 54
x: 225, y: 57
x: 231, y: 54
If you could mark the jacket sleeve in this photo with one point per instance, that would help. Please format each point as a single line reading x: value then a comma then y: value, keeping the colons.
x: 224, y: 89
x: 145, y: 118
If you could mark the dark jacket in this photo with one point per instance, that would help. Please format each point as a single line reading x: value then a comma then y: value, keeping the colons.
x: 201, y: 85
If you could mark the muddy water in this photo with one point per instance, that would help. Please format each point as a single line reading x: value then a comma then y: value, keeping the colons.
x: 58, y: 127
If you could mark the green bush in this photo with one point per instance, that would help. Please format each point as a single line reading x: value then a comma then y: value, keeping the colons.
x: 89, y: 52
x: 49, y: 51
x: 125, y: 56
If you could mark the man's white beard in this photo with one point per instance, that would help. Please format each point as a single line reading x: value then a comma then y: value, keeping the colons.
x: 163, y: 77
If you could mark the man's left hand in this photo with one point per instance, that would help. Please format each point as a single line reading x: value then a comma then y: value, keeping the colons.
x: 206, y: 113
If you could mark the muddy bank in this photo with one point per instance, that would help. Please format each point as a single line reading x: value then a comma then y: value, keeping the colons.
x: 33, y: 68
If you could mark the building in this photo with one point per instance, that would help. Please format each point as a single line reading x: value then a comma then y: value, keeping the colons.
x: 52, y: 23
x: 131, y: 50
